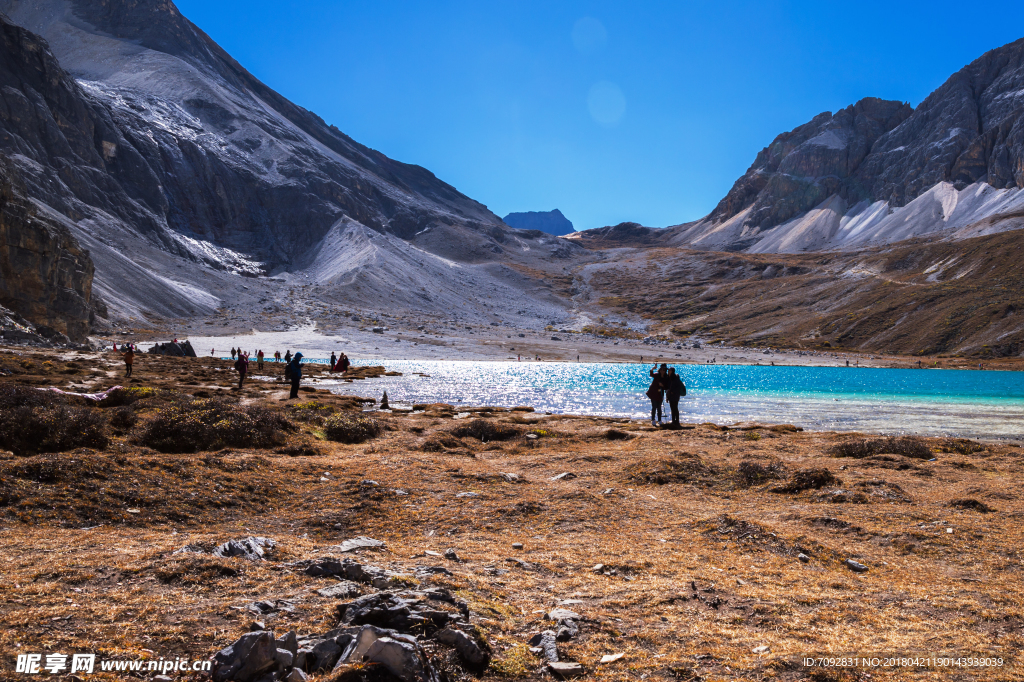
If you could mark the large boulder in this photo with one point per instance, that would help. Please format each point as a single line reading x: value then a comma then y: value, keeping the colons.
x: 253, y: 655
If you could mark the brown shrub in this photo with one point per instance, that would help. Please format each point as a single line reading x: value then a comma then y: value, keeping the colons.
x: 969, y: 503
x: 352, y: 428
x: 196, y: 425
x: 312, y: 411
x: 756, y: 473
x: 807, y: 479
x: 963, y: 446
x: 680, y: 467
x: 440, y: 441
x: 123, y: 418
x: 484, y: 430
x: 50, y: 426
x: 908, y: 446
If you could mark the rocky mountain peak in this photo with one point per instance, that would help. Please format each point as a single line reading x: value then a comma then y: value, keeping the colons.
x: 551, y: 222
x: 804, y: 166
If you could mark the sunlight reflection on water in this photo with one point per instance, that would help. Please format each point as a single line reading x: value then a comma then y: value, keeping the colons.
x: 927, y: 402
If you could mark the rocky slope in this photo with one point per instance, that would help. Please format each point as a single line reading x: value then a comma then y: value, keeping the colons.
x: 879, y: 172
x: 161, y: 154
x: 921, y: 297
x: 551, y: 222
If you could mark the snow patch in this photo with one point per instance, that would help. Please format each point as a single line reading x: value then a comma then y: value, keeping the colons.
x: 219, y: 256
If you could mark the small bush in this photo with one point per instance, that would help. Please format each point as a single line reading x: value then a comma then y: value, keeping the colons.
x: 352, y: 428
x: 55, y: 428
x: 680, y: 467
x: 963, y: 446
x: 196, y: 425
x: 616, y: 434
x: 300, y: 450
x: 807, y: 479
x: 908, y: 446
x: 441, y: 441
x: 755, y: 473
x: 14, y: 395
x: 971, y: 504
x: 892, y: 492
x: 127, y: 395
x: 482, y: 430
x: 751, y: 435
x: 312, y: 411
x: 123, y: 418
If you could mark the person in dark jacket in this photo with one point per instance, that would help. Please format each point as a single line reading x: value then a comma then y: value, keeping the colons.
x: 294, y: 370
x: 656, y: 392
x: 287, y: 356
x: 334, y: 360
x: 242, y: 366
x: 674, y: 390
x: 129, y: 360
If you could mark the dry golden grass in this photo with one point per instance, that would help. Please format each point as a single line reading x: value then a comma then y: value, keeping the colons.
x: 700, y: 556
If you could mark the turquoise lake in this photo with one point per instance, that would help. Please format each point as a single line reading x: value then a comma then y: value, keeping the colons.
x: 977, y: 404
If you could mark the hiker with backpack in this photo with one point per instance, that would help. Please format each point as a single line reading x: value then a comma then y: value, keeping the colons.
x: 242, y: 367
x: 259, y: 360
x: 293, y: 373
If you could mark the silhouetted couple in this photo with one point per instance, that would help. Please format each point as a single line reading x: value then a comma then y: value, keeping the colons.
x: 665, y: 383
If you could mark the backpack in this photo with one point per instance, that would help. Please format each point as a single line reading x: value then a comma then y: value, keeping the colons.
x: 682, y: 393
x: 238, y: 364
x: 288, y: 371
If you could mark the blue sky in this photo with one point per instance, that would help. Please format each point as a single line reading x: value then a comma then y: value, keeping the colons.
x: 609, y: 111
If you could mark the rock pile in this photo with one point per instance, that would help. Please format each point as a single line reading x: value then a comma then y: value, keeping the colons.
x: 399, y: 630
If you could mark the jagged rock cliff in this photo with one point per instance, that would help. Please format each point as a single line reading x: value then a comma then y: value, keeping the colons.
x: 803, y: 167
x: 45, y: 276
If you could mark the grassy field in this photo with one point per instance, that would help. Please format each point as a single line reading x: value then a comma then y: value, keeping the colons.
x: 722, y: 550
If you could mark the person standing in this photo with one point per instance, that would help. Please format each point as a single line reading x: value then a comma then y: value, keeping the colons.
x: 287, y: 356
x: 232, y: 352
x: 343, y: 363
x: 259, y: 360
x: 293, y: 372
x: 334, y: 361
x: 242, y: 365
x: 656, y: 392
x: 129, y: 360
x: 674, y: 390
